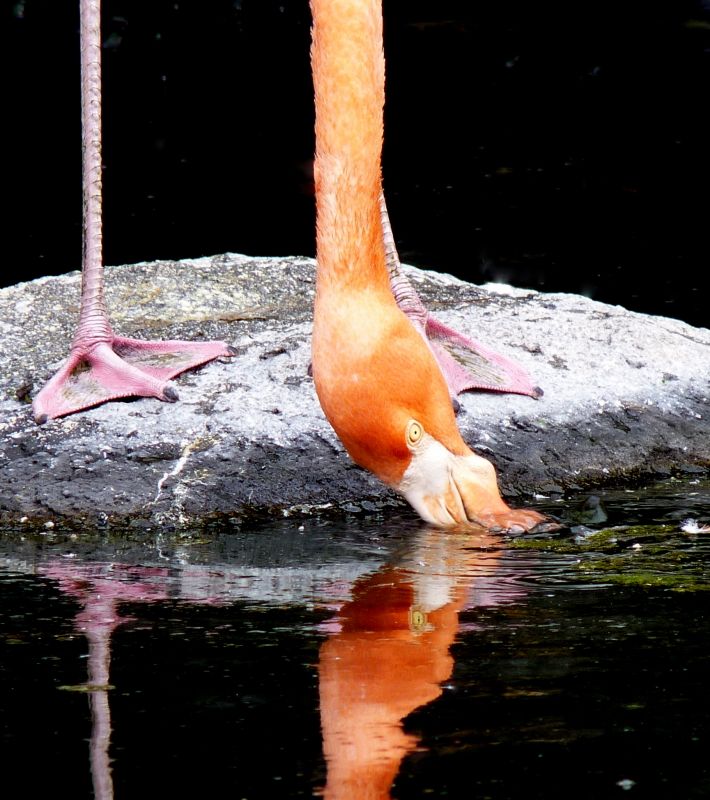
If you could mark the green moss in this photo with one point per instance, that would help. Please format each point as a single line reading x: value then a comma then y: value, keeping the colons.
x: 553, y: 545
x: 675, y: 581
x: 657, y: 556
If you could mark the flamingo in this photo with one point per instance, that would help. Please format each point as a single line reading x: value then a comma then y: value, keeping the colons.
x: 102, y: 366
x: 377, y: 381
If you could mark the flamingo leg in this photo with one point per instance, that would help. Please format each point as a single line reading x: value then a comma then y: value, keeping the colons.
x: 102, y: 366
x: 465, y: 363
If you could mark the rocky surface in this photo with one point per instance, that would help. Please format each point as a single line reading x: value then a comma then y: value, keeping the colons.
x: 627, y: 397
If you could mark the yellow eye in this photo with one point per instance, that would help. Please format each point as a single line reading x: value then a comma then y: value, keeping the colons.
x: 414, y: 432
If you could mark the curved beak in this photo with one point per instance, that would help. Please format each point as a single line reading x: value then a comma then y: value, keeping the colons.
x: 451, y: 490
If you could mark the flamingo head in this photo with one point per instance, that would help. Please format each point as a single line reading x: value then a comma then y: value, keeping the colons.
x: 389, y: 404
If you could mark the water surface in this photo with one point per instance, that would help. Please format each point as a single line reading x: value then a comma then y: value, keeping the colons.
x: 364, y: 657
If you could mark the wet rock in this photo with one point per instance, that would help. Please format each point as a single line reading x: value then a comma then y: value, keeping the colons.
x: 248, y: 436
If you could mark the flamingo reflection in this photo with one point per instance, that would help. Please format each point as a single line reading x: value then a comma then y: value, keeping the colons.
x: 100, y: 588
x: 386, y: 653
x: 389, y: 655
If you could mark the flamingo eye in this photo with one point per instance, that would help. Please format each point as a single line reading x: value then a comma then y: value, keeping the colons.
x: 414, y: 434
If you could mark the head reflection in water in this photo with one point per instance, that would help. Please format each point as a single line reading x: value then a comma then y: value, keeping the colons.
x: 389, y: 653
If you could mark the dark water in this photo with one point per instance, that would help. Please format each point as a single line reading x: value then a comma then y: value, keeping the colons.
x: 374, y: 657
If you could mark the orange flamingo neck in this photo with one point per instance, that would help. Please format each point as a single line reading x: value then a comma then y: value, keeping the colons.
x: 349, y: 86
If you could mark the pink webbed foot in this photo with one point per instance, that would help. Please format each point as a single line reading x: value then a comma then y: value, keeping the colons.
x: 465, y: 363
x: 119, y: 369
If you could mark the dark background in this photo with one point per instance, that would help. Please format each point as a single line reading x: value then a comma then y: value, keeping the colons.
x: 554, y: 145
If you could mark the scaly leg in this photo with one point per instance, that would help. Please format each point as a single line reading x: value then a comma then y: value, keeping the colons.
x: 465, y: 363
x: 102, y: 366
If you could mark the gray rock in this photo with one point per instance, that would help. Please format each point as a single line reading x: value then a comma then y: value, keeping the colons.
x: 627, y: 397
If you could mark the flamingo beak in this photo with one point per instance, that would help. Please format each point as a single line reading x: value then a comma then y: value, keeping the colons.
x: 451, y: 490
